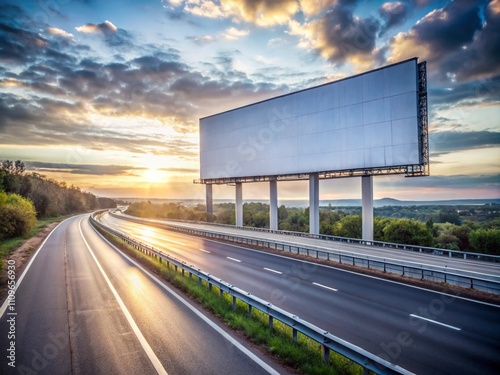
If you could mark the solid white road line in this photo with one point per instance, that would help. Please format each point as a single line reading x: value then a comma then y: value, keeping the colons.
x: 271, y: 270
x: 433, y: 321
x: 326, y: 287
x: 145, y: 345
x: 18, y: 282
x: 234, y: 259
x: 205, y: 251
x: 198, y: 313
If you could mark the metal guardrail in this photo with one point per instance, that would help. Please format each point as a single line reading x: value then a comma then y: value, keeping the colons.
x: 356, y: 241
x: 367, y: 360
x: 436, y: 274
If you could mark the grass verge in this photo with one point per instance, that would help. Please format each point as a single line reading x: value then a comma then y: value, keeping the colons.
x: 303, y: 355
x: 7, y: 247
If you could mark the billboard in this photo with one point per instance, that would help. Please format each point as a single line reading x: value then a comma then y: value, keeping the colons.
x: 362, y: 122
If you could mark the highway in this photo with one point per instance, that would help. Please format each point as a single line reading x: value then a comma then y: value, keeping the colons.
x: 487, y: 270
x: 84, y: 308
x: 423, y: 331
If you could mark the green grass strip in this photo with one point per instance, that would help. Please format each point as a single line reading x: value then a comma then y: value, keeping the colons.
x: 303, y: 355
x: 7, y: 247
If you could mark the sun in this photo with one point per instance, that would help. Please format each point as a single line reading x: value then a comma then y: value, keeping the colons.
x: 153, y: 175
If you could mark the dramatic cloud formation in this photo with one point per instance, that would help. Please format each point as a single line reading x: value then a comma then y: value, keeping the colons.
x: 340, y: 37
x: 135, y: 88
x: 454, y: 40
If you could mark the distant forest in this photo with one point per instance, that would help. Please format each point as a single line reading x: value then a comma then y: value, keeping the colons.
x: 463, y: 227
x: 27, y: 196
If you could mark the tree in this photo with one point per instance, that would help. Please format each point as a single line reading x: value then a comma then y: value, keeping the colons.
x: 486, y: 241
x: 379, y: 224
x: 449, y: 216
x: 349, y: 226
x: 409, y: 232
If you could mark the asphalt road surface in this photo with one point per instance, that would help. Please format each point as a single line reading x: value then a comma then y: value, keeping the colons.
x: 480, y: 269
x: 423, y: 331
x: 83, y: 308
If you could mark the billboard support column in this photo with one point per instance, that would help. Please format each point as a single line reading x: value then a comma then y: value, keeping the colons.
x: 239, y: 204
x: 273, y: 204
x: 367, y: 207
x: 209, y: 201
x: 314, y: 203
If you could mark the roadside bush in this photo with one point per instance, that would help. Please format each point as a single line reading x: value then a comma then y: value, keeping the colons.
x: 17, y: 215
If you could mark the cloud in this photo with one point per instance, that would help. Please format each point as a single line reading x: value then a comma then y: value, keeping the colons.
x: 234, y: 34
x: 98, y: 169
x: 59, y: 32
x: 394, y: 14
x: 443, y: 142
x: 478, y: 92
x: 85, y: 169
x: 454, y: 182
x: 202, y: 40
x: 263, y: 13
x: 19, y: 45
x: 315, y: 7
x: 113, y: 36
x: 61, y: 93
x: 340, y: 37
x: 105, y: 28
x: 454, y: 40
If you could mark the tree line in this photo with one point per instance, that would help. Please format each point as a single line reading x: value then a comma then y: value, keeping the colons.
x: 28, y: 196
x: 436, y: 231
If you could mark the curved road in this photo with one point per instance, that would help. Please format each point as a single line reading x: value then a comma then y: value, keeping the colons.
x: 423, y: 331
x: 84, y: 308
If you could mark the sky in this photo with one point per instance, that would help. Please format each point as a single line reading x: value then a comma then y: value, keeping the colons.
x: 107, y: 95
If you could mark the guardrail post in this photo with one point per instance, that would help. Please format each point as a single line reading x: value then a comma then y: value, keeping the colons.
x: 294, y: 334
x: 234, y: 303
x: 271, y: 322
x: 199, y: 281
x: 209, y: 286
x: 326, y: 353
x: 221, y: 293
x: 249, y: 310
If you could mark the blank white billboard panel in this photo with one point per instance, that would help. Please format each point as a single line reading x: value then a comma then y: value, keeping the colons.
x: 362, y: 122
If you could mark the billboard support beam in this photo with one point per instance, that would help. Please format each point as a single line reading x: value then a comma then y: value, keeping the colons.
x: 314, y: 203
x: 239, y: 204
x: 273, y: 204
x: 367, y: 207
x: 209, y: 201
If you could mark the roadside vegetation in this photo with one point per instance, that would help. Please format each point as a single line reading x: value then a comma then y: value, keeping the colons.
x: 304, y: 355
x: 464, y: 228
x: 31, y: 201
